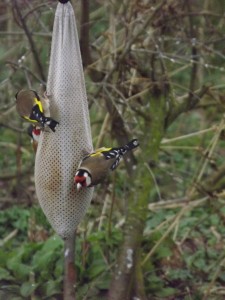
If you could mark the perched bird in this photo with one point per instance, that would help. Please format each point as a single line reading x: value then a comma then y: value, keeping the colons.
x: 34, y: 132
x: 95, y: 166
x: 34, y: 109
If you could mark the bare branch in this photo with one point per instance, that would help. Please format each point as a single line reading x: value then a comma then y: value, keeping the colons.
x: 30, y: 39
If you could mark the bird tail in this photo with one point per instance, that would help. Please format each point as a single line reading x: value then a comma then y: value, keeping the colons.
x: 129, y: 146
x: 51, y: 123
x: 40, y: 117
x: 123, y: 150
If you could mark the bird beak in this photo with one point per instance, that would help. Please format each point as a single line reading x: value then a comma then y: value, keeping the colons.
x: 79, y: 186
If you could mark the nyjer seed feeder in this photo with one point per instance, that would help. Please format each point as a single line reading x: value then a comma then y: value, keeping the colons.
x: 60, y: 152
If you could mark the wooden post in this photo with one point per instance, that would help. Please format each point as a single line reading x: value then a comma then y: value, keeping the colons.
x: 69, y: 269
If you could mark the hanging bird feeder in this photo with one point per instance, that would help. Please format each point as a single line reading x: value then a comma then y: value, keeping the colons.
x: 60, y: 152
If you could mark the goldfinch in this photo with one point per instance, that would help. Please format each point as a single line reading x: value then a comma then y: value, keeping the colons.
x: 34, y: 132
x: 35, y: 109
x: 94, y: 167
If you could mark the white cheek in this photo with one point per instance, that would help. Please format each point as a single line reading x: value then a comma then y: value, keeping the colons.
x: 36, y: 138
x: 88, y: 181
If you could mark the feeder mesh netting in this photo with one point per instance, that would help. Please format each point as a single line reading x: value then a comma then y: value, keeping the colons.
x: 60, y: 152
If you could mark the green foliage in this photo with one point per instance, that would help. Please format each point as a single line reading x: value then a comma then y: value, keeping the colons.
x: 14, y: 218
x: 37, y: 268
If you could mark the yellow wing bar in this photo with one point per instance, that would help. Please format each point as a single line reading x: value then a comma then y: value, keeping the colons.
x: 99, y: 151
x: 30, y: 120
x: 38, y: 102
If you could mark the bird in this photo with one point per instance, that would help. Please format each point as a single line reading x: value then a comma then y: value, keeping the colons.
x: 34, y: 132
x: 35, y: 109
x: 94, y: 167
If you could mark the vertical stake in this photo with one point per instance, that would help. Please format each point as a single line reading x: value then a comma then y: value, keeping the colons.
x: 69, y: 268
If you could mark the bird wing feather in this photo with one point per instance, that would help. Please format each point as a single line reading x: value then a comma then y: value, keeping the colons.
x: 25, y: 102
x: 98, y: 152
x: 98, y: 166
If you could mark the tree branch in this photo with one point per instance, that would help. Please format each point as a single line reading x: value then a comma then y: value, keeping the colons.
x: 186, y: 105
x: 30, y: 39
x: 84, y: 33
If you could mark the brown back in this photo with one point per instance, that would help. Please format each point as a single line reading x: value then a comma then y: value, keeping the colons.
x: 25, y: 102
x: 98, y: 167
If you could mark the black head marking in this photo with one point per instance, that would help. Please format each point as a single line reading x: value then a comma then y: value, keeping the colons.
x: 36, y: 94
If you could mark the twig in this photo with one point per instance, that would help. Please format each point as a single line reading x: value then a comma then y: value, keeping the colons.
x: 215, y: 275
x: 190, y: 135
x: 18, y: 161
x: 46, y: 4
x: 135, y: 36
x: 84, y: 33
x: 35, y: 14
x: 154, y: 180
x: 105, y: 208
x: 196, y: 148
x: 176, y: 219
x: 7, y: 177
x: 11, y: 127
x: 210, y: 151
x: 126, y: 49
x: 14, y: 147
x: 43, y: 34
x: 9, y: 237
x: 167, y: 204
x: 185, y: 105
x: 27, y: 70
x: 170, y: 228
x: 157, y: 228
x: 103, y: 130
x: 30, y: 39
x: 112, y: 205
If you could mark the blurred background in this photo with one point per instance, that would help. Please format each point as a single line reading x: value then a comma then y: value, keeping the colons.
x: 154, y: 70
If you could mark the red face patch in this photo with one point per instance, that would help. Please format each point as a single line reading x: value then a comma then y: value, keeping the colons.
x: 81, y: 180
x: 37, y: 131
